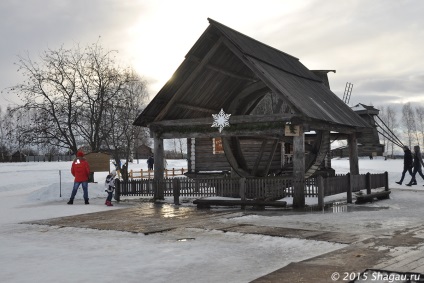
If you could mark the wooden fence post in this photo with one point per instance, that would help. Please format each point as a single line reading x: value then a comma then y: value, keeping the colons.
x: 368, y: 182
x: 176, y: 190
x: 242, y: 182
x: 386, y: 180
x: 349, y: 187
x: 117, y: 196
x: 320, y: 181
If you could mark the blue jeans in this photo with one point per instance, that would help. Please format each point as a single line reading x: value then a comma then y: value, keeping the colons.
x: 416, y: 170
x: 405, y: 169
x: 84, y: 188
x: 109, y: 196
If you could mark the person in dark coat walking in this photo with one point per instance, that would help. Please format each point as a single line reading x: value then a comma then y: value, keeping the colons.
x: 407, y: 163
x: 150, y: 162
x: 418, y: 162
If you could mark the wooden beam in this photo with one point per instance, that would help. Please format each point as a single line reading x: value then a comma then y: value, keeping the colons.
x: 353, y: 154
x: 195, y: 108
x: 240, y: 105
x: 238, y: 119
x: 188, y: 82
x: 259, y: 157
x: 299, y: 170
x: 270, y: 133
x: 271, y: 156
x: 232, y: 160
x: 159, y: 167
x: 269, y: 81
x: 230, y: 74
x: 223, y: 70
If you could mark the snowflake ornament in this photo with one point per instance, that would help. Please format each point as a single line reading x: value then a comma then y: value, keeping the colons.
x: 221, y: 120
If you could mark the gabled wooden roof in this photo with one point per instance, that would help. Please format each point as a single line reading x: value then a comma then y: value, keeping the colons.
x: 223, y: 63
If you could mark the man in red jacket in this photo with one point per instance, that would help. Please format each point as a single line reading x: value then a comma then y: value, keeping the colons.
x: 81, y: 171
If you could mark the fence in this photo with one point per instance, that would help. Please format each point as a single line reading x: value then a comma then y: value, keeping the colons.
x: 257, y: 188
x: 49, y: 158
x: 140, y: 174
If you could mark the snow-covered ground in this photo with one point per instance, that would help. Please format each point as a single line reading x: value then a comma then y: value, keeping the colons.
x: 34, y: 253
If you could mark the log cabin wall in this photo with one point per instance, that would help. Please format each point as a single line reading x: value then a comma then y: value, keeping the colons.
x: 205, y: 159
x: 208, y: 160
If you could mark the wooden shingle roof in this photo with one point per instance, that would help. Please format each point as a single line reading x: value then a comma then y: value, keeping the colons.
x: 223, y: 62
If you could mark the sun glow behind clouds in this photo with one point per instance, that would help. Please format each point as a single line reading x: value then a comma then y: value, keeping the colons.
x: 166, y: 30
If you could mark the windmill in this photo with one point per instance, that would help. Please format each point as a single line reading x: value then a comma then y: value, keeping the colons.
x: 347, y: 93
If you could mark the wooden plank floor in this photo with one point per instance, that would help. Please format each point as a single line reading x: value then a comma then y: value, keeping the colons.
x: 403, y: 251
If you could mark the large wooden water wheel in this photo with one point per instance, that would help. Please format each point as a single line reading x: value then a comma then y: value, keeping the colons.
x: 256, y: 156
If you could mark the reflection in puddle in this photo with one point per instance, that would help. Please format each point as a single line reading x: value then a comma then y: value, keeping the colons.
x: 185, y: 239
x: 336, y: 207
x: 341, y: 207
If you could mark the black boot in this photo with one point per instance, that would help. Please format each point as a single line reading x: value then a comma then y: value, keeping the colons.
x: 71, y: 201
x: 400, y: 183
x: 86, y: 201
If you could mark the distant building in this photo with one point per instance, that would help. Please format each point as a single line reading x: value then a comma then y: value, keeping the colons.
x: 368, y: 139
x: 18, y: 157
x: 142, y: 152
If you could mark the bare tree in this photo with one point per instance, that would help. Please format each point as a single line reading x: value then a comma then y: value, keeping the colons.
x: 408, y: 119
x: 121, y: 135
x: 420, y: 121
x: 69, y: 91
x: 389, y: 117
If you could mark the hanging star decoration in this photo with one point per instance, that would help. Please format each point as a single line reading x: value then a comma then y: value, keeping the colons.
x: 221, y: 120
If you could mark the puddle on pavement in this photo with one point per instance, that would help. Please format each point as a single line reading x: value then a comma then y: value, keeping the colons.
x: 339, y: 207
x: 171, y: 211
x: 336, y: 207
x: 185, y: 239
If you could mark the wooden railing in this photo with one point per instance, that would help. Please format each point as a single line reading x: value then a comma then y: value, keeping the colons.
x: 149, y: 174
x: 255, y: 188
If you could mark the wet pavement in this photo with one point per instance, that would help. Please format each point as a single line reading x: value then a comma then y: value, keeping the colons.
x: 402, y: 251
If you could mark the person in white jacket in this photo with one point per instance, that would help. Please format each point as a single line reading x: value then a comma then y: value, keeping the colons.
x: 110, y: 187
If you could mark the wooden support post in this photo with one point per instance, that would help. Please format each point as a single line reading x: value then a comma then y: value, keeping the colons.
x: 368, y: 183
x: 353, y: 154
x: 242, y: 182
x: 320, y: 181
x: 386, y: 180
x: 299, y: 169
x: 176, y: 190
x: 117, y: 196
x: 349, y: 188
x: 159, y: 167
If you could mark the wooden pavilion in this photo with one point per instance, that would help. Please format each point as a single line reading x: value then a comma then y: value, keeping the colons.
x: 282, y: 114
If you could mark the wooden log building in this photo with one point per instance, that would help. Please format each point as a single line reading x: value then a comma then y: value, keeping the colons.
x: 369, y: 141
x: 282, y: 114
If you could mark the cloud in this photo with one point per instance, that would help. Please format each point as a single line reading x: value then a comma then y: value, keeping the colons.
x: 376, y: 45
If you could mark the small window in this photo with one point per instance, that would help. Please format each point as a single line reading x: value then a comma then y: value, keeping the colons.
x: 217, y: 146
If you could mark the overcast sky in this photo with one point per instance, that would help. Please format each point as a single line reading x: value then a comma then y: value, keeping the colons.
x: 376, y: 45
